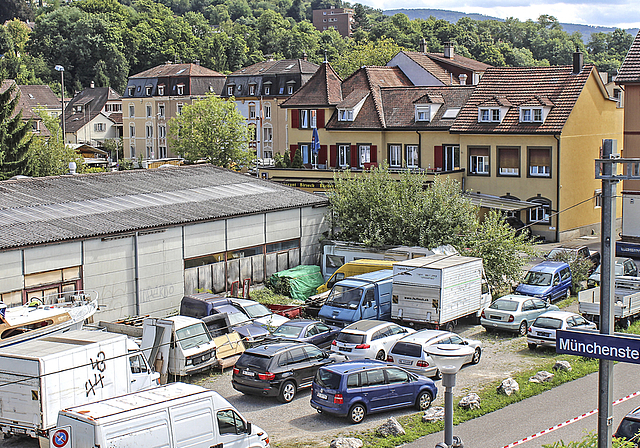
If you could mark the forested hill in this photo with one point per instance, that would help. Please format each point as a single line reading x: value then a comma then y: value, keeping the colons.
x: 454, y: 16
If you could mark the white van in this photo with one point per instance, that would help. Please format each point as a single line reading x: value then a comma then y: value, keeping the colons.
x: 171, y: 416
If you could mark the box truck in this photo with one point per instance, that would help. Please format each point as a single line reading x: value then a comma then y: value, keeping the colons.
x: 171, y: 416
x: 40, y: 377
x: 437, y: 290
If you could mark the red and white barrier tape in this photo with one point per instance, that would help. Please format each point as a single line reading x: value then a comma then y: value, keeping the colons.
x: 568, y: 422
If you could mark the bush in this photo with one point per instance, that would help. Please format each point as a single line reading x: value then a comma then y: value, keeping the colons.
x: 590, y: 441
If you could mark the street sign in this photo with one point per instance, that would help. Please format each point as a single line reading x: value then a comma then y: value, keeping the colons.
x: 60, y: 437
x: 595, y: 345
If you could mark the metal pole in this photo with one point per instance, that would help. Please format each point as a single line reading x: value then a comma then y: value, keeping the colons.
x: 63, y: 123
x: 605, y: 377
x: 448, y: 381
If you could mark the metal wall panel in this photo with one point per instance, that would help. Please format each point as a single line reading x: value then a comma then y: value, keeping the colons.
x: 233, y: 272
x: 190, y: 281
x: 245, y: 269
x: 11, y: 271
x: 294, y: 258
x: 219, y: 279
x: 50, y: 257
x: 203, y: 239
x: 205, y: 283
x: 283, y: 225
x: 257, y: 262
x: 271, y: 264
x: 283, y: 261
x: 314, y: 223
x: 245, y: 232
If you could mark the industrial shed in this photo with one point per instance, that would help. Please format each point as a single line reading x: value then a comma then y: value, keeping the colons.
x: 144, y: 238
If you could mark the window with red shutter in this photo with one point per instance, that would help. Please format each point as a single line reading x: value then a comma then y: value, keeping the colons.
x: 292, y: 151
x: 322, y: 155
x: 374, y: 155
x: 320, y: 118
x: 295, y: 118
x: 333, y: 154
x: 354, y: 156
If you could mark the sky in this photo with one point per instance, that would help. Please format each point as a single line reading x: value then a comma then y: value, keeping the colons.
x: 615, y: 13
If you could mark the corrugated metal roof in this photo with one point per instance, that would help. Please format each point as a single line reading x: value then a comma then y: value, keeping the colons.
x: 51, y: 209
x: 496, y: 202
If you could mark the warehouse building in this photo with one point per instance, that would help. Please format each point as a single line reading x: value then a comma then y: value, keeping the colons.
x: 144, y: 238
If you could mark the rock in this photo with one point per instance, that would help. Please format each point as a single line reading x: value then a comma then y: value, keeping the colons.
x: 471, y: 401
x: 433, y: 414
x: 541, y: 377
x: 562, y: 366
x: 346, y: 442
x: 508, y: 387
x: 391, y: 428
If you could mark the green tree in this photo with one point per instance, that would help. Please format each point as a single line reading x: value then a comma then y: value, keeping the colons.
x: 212, y: 129
x: 15, y: 135
x: 366, y: 53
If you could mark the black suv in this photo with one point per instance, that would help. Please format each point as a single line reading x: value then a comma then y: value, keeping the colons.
x: 278, y: 369
x: 630, y: 426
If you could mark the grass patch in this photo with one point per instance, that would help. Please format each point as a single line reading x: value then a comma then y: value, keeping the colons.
x: 489, y: 398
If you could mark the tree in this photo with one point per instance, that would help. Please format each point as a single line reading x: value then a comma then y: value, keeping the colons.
x: 366, y: 53
x: 212, y: 129
x: 15, y: 135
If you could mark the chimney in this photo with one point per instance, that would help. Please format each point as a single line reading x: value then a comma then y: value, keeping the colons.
x: 448, y: 50
x: 93, y: 85
x: 463, y: 79
x: 304, y: 56
x: 72, y: 167
x: 577, y: 62
x: 423, y: 45
x: 196, y: 61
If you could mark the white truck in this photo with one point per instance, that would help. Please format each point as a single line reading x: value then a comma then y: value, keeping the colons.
x: 40, y: 377
x: 437, y: 290
x: 626, y: 306
x: 171, y: 416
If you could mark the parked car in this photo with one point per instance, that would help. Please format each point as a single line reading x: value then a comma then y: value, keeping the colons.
x: 624, y: 266
x: 514, y: 312
x: 543, y: 330
x: 549, y: 280
x: 357, y: 388
x: 259, y: 313
x: 368, y: 339
x: 410, y: 351
x: 305, y: 330
x: 279, y: 369
x: 629, y: 427
x: 577, y: 251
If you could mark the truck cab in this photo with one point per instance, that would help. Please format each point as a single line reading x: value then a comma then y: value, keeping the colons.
x: 366, y: 296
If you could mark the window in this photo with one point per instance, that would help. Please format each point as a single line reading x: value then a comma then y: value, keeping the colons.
x: 162, y: 152
x: 179, y: 108
x: 180, y: 89
x: 132, y: 110
x: 268, y: 154
x: 478, y: 160
x: 364, y: 153
x: 307, y: 119
x: 149, y: 111
x: 489, y: 115
x: 230, y: 90
x: 451, y: 157
x: 99, y: 127
x: 597, y: 196
x: 229, y: 422
x: 252, y: 89
x: 268, y: 134
x: 540, y: 162
x: 161, y: 110
x: 540, y: 214
x: 508, y: 161
x: 528, y: 115
x: 149, y: 131
x: 160, y: 90
x: 137, y: 364
x: 343, y: 155
x: 132, y: 130
x: 34, y: 126
x: 290, y: 90
x: 252, y: 111
x: 150, y: 152
x: 345, y: 115
x: 131, y: 90
x: 395, y: 155
x: 162, y: 131
x: 413, y: 160
x: 305, y: 152
x: 267, y: 90
x: 132, y: 149
x: 422, y: 113
x: 267, y: 111
x: 147, y: 90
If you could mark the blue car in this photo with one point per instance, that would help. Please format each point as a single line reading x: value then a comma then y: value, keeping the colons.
x: 306, y: 330
x: 357, y: 388
x: 549, y: 280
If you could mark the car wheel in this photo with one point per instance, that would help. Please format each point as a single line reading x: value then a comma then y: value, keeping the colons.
x: 531, y: 346
x: 287, y: 392
x: 357, y: 413
x: 624, y: 323
x: 380, y: 356
x: 423, y: 401
x: 488, y: 329
x: 437, y: 375
x: 522, y: 330
x: 476, y: 356
x: 448, y: 327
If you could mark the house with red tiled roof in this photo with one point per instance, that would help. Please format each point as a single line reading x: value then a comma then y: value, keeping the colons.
x: 533, y: 134
x: 156, y: 95
x: 259, y: 90
x: 33, y: 98
x: 93, y: 116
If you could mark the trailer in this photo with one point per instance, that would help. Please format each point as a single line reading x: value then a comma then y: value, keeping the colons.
x: 626, y: 305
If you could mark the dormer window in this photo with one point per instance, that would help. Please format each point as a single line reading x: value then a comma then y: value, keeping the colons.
x: 252, y: 89
x: 132, y: 90
x: 180, y: 89
x: 489, y: 115
x: 531, y: 115
x: 345, y: 114
x: 422, y: 113
x: 147, y: 90
x: 267, y: 90
x: 160, y: 90
x: 230, y: 90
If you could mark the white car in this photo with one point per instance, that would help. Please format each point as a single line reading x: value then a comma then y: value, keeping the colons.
x: 409, y: 352
x: 368, y: 339
x: 258, y: 313
x: 543, y: 330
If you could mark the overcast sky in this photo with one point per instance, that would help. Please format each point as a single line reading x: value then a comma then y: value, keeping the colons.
x: 614, y: 13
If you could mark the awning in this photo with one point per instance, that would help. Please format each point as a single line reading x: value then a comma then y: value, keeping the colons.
x: 498, y: 203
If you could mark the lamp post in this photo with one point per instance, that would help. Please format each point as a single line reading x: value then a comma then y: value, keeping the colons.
x: 449, y: 359
x: 60, y: 68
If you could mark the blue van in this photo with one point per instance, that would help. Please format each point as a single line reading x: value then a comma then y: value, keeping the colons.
x: 549, y: 280
x: 365, y: 296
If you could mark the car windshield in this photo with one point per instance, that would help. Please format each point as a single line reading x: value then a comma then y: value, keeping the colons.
x: 548, y: 322
x: 287, y: 331
x: 327, y: 379
x: 345, y: 297
x: 407, y: 349
x: 504, y: 305
x: 350, y: 338
x: 537, y: 278
x: 257, y: 310
x: 193, y: 336
x: 237, y: 318
x: 628, y: 429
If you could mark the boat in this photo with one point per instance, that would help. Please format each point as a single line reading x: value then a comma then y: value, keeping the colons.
x: 60, y: 313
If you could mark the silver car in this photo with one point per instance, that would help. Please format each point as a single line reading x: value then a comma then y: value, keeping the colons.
x: 514, y: 312
x: 543, y: 330
x: 409, y: 352
x: 624, y: 266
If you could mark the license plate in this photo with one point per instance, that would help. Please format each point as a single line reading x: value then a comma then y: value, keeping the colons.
x: 248, y: 373
x: 542, y: 333
x: 494, y: 317
x: 345, y: 349
x: 405, y: 361
x: 322, y: 396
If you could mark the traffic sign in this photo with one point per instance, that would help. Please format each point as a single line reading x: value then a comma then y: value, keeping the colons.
x: 60, y: 437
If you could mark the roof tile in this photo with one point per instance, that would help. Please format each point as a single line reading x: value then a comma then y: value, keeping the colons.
x: 629, y: 72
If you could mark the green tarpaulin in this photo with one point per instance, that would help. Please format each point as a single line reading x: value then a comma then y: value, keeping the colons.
x: 298, y: 283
